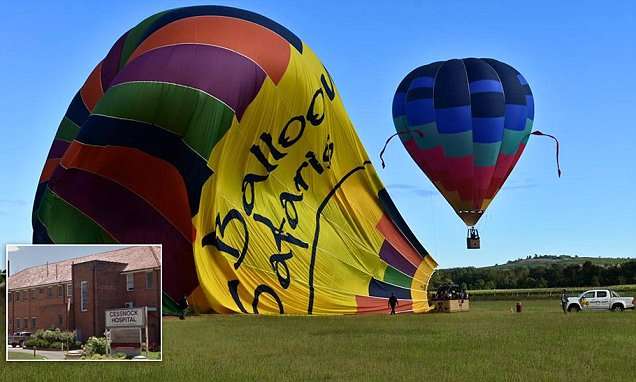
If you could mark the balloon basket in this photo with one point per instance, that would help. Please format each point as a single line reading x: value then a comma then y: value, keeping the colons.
x: 472, y: 240
x: 451, y: 306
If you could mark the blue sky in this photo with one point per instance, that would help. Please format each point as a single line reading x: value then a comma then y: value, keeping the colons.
x: 578, y: 58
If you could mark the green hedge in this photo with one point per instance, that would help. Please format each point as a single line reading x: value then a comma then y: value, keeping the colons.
x: 53, y: 339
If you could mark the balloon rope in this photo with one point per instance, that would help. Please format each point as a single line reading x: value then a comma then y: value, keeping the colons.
x: 391, y: 137
x: 537, y: 132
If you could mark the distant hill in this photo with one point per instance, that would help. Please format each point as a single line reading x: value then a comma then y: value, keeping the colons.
x: 547, y: 260
x: 544, y: 271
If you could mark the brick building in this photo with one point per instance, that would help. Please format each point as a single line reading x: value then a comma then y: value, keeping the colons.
x: 73, y: 294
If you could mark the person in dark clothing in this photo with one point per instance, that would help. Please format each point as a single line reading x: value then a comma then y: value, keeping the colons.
x: 393, y: 302
x: 564, y: 300
x: 183, y: 305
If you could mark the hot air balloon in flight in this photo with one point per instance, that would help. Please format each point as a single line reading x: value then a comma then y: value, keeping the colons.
x: 218, y: 133
x: 465, y: 122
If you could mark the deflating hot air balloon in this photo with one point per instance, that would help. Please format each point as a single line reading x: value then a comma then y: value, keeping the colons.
x: 219, y: 134
x: 465, y: 123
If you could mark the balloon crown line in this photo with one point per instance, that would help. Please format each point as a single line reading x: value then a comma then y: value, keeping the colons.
x: 395, y: 135
x: 416, y: 131
x: 539, y: 133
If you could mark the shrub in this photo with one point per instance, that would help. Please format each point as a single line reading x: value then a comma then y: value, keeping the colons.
x: 50, y: 335
x: 59, y: 336
x: 38, y: 334
x: 52, y: 339
x: 95, y: 345
x: 36, y: 342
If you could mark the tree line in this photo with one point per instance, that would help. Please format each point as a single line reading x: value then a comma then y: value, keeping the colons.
x: 587, y: 274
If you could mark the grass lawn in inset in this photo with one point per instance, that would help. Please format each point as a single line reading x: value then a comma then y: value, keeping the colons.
x: 153, y: 355
x: 21, y: 355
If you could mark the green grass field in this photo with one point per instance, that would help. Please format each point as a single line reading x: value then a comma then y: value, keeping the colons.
x: 489, y: 343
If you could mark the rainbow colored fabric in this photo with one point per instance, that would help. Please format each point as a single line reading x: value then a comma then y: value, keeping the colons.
x: 219, y: 134
x: 473, y: 118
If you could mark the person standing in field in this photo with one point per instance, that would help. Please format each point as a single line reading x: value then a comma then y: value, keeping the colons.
x: 183, y: 306
x: 393, y: 302
x: 564, y: 300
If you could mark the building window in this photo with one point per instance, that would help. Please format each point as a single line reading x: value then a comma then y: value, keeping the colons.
x: 32, y: 294
x: 130, y: 282
x: 84, y: 296
x: 50, y: 292
x: 60, y: 320
x: 24, y: 296
x: 10, y: 297
x: 17, y: 323
x: 17, y: 296
x: 128, y: 305
x: 60, y: 291
x: 149, y: 280
x: 25, y: 324
x: 33, y: 323
x: 69, y: 290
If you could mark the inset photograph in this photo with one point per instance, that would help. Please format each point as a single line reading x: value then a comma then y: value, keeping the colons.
x: 83, y: 302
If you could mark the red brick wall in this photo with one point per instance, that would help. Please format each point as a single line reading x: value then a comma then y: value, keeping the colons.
x: 83, y: 319
x: 142, y: 296
x: 104, y: 292
x: 46, y: 310
x: 107, y: 290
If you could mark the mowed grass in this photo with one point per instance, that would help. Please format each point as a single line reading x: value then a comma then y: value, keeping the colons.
x: 489, y: 343
x: 16, y: 355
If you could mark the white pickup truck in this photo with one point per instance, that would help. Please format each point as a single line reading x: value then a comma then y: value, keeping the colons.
x: 599, y: 299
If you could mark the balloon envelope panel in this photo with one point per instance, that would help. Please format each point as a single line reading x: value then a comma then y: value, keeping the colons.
x: 473, y: 118
x: 219, y: 134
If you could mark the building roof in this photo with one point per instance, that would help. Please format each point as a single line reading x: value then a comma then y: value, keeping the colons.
x: 135, y: 258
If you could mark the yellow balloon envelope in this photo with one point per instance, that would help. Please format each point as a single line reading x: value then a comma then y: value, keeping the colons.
x: 218, y: 133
